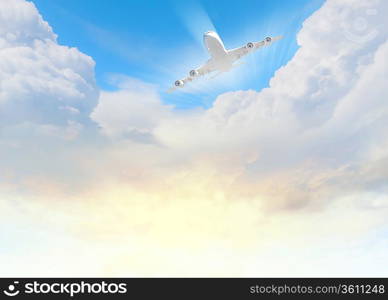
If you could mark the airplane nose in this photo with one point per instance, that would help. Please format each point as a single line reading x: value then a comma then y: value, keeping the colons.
x: 209, y: 32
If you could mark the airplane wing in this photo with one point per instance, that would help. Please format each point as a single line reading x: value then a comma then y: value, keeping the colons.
x: 193, y: 74
x: 250, y: 47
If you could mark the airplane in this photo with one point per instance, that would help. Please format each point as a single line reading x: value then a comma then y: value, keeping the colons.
x: 221, y: 60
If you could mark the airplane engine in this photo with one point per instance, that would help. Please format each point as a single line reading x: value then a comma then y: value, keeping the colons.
x: 250, y: 45
x: 268, y: 39
x: 194, y: 73
x: 179, y: 83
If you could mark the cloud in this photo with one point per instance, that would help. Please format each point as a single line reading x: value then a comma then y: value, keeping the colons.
x: 21, y: 24
x: 37, y: 75
x: 201, y: 192
x: 132, y: 112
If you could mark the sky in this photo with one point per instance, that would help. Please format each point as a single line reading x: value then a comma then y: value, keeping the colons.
x: 159, y: 42
x: 277, y: 169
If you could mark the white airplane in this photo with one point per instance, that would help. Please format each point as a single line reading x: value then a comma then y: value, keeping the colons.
x: 221, y: 60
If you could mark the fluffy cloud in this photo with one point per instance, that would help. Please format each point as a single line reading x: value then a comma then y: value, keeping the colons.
x: 132, y: 112
x: 39, y: 77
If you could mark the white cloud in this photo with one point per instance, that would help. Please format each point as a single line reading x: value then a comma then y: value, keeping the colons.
x: 133, y: 112
x: 37, y: 75
x: 21, y: 24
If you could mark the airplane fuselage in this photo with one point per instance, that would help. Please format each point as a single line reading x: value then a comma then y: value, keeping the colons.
x: 219, y: 55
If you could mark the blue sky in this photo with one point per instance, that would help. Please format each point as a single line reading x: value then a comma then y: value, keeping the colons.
x: 160, y: 41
